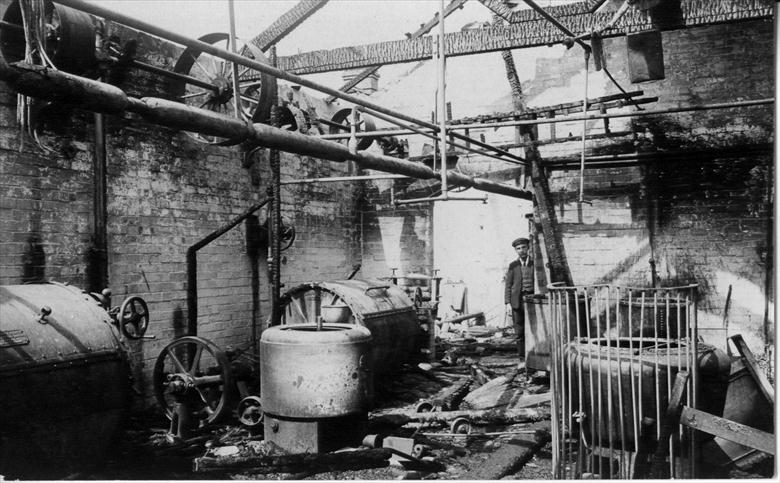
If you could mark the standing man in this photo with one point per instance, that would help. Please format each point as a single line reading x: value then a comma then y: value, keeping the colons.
x: 519, y: 282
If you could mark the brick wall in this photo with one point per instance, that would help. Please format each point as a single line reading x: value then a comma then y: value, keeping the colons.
x: 703, y: 218
x: 165, y: 193
x: 395, y: 236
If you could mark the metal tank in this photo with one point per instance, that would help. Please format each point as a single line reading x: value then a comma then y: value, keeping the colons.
x: 64, y: 379
x: 316, y: 385
x: 381, y: 307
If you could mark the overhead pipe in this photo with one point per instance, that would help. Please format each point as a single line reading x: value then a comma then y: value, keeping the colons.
x: 555, y: 120
x: 44, y: 83
x: 201, y: 46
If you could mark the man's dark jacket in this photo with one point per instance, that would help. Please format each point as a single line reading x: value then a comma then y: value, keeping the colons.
x: 519, y: 281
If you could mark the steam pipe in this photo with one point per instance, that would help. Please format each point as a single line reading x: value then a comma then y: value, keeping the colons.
x: 44, y: 83
x: 247, y: 62
x: 192, y: 265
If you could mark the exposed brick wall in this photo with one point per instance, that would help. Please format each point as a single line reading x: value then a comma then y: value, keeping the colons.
x: 704, y: 220
x: 395, y: 236
x: 165, y: 193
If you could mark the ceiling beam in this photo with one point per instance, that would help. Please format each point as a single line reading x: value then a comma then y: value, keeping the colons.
x: 533, y: 31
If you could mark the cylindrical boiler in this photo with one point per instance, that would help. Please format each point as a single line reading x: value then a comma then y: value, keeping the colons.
x: 316, y: 385
x: 381, y: 307
x: 64, y: 379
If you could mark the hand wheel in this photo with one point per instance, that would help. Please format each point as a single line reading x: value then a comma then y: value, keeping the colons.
x: 133, y: 318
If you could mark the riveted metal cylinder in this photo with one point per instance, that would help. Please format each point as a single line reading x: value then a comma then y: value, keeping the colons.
x: 65, y: 380
x: 381, y: 307
x: 310, y: 372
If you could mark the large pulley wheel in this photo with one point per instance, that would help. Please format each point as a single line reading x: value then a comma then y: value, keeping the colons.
x: 255, y: 88
x: 341, y: 123
x: 133, y: 318
x: 195, y: 372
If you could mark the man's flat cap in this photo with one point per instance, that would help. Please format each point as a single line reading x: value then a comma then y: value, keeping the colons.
x: 520, y: 241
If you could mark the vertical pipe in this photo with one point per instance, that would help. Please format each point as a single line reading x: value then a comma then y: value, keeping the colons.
x: 584, y: 129
x: 442, y: 102
x: 98, y: 279
x: 234, y: 66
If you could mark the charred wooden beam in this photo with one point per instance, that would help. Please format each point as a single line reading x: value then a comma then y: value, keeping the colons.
x: 44, y: 83
x: 287, y: 23
x: 424, y: 29
x: 295, y: 463
x: 530, y: 31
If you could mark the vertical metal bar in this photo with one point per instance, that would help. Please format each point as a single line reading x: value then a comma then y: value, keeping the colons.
x: 669, y: 376
x: 621, y: 419
x: 442, y: 102
x: 657, y: 367
x: 610, y: 377
x: 641, y: 359
x: 556, y: 385
x: 591, y: 419
x: 632, y: 371
x: 567, y: 374
x: 695, y: 391
x: 599, y: 376
x: 580, y: 403
x: 234, y: 66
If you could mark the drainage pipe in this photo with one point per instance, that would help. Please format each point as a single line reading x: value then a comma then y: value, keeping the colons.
x: 58, y: 86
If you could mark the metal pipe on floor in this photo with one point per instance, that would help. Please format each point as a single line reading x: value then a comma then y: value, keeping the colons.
x: 36, y: 81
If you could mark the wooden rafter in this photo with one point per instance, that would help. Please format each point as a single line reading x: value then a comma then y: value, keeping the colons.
x: 530, y: 31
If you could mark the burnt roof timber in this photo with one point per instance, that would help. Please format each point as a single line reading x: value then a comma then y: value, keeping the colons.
x: 424, y: 29
x: 286, y: 23
x: 532, y: 31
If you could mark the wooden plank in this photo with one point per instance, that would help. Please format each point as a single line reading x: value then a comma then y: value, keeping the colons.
x: 750, y: 362
x: 730, y: 430
x: 669, y: 423
x: 534, y: 32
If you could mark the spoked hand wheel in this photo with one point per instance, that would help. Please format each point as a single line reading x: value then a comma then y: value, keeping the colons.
x: 213, y: 85
x: 194, y: 372
x: 133, y: 317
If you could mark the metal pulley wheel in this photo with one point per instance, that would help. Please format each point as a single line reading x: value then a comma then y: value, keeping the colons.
x: 250, y: 412
x: 195, y: 372
x: 255, y: 88
x: 133, y: 318
x: 65, y: 37
x: 344, y: 118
